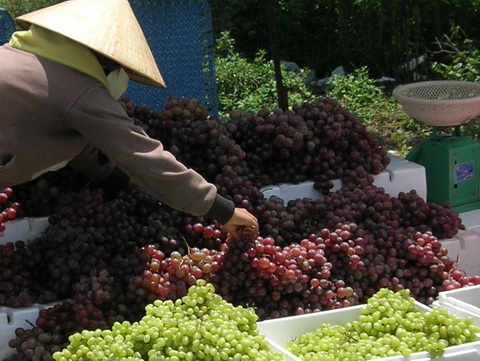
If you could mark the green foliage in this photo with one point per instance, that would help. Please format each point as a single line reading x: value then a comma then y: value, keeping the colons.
x: 459, y: 59
x: 379, y: 111
x: 358, y: 93
x: 250, y: 85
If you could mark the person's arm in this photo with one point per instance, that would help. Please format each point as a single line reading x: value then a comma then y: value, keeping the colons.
x: 102, y: 120
x: 102, y: 172
x: 106, y: 126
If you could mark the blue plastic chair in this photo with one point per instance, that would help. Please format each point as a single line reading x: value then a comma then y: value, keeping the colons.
x: 7, y: 26
x: 179, y: 33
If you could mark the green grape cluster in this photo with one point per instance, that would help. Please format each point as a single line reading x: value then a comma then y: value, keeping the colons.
x: 199, y: 326
x: 390, y: 324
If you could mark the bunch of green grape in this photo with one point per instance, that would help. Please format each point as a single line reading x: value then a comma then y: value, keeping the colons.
x: 390, y: 324
x: 199, y: 326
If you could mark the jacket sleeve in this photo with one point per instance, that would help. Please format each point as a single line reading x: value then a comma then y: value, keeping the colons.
x: 104, y: 123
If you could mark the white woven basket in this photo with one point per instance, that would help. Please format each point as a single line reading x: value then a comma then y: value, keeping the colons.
x: 440, y: 103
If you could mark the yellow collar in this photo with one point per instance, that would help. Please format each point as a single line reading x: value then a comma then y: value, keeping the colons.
x: 58, y: 48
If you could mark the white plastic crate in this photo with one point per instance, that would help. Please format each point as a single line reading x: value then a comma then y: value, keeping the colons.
x: 287, y: 191
x: 457, y: 309
x: 465, y: 246
x: 471, y: 220
x: 464, y: 302
x: 23, y: 229
x: 403, y: 176
x: 10, y: 320
x: 280, y: 331
x: 469, y: 295
x: 400, y: 176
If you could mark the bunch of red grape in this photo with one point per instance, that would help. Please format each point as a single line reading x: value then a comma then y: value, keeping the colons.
x: 332, y: 269
x: 370, y: 207
x: 169, y: 277
x: 54, y: 325
x: 10, y: 208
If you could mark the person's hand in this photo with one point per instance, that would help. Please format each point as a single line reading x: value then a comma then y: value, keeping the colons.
x: 242, y: 222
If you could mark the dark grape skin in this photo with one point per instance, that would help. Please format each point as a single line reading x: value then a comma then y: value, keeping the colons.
x: 311, y: 255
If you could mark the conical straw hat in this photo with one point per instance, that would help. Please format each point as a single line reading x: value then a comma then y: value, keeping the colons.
x: 108, y: 27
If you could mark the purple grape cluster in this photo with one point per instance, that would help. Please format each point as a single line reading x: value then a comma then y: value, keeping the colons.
x: 40, y: 197
x: 318, y: 141
x: 17, y: 281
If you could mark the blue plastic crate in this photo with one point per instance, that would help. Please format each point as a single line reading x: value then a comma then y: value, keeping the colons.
x: 7, y: 26
x: 179, y: 33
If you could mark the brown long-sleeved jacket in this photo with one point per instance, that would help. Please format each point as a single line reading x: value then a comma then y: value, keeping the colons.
x: 50, y: 113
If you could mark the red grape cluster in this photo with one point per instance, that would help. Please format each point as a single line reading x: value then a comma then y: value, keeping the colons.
x: 320, y: 141
x: 90, y: 254
x: 185, y: 131
x: 111, y: 273
x: 332, y: 269
x: 206, y: 145
x: 55, y: 324
x: 10, y: 208
x: 170, y: 277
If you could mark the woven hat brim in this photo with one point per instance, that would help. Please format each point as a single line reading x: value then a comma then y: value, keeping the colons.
x: 108, y: 27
